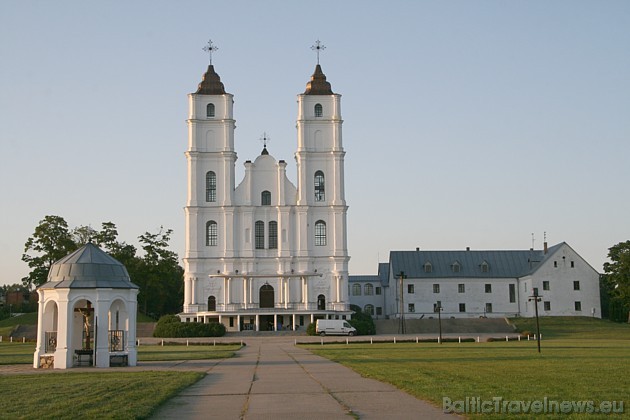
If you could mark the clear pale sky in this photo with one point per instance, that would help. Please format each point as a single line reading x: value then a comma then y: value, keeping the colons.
x: 466, y: 123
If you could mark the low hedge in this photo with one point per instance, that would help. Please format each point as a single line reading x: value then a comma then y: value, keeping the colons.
x: 170, y: 326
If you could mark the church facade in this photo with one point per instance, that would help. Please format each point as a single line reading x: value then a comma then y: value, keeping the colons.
x: 265, y: 254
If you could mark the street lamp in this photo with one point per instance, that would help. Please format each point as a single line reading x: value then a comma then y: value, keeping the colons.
x: 536, y: 299
x: 438, y: 309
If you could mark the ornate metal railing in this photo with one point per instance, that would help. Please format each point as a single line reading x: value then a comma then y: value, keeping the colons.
x: 311, y: 306
x: 116, y: 340
x: 51, y: 341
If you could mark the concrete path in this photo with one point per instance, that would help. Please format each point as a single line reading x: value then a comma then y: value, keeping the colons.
x: 273, y: 379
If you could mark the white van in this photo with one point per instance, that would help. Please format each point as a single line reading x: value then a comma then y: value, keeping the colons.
x: 334, y: 327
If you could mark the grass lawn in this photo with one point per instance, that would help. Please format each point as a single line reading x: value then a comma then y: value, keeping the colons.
x: 577, y: 367
x: 68, y: 395
x: 22, y: 353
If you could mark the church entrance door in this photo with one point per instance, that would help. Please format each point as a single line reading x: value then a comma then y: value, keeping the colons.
x: 266, y: 296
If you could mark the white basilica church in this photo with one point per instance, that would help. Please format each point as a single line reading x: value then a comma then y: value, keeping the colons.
x: 265, y: 254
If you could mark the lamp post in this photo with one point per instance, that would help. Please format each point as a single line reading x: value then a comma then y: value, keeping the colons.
x: 401, y: 324
x: 438, y: 308
x: 536, y: 299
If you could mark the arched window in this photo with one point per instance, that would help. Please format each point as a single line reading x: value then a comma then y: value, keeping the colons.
x: 368, y: 289
x: 428, y: 268
x: 321, y: 303
x: 266, y: 296
x: 369, y: 309
x: 356, y: 289
x: 273, y: 235
x: 212, y: 303
x: 210, y: 111
x: 211, y: 187
x: 211, y: 233
x: 319, y: 111
x: 259, y: 234
x: 265, y: 198
x: 320, y: 233
x: 319, y: 186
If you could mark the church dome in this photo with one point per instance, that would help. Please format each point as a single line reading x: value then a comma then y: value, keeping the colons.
x: 211, y: 83
x: 88, y: 267
x: 318, y: 85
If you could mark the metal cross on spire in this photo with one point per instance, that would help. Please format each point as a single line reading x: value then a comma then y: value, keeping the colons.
x: 264, y: 139
x: 210, y: 48
x: 317, y: 47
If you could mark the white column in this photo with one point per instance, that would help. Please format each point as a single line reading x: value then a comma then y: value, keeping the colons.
x: 64, y: 351
x: 132, y: 351
x: 101, y: 321
x: 229, y: 290
x: 238, y: 322
x: 275, y: 322
x: 257, y: 322
x: 293, y: 324
x: 245, y: 292
x: 41, y: 334
x: 193, y: 291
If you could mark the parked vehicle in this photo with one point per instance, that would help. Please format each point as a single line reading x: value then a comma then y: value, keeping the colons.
x: 334, y: 327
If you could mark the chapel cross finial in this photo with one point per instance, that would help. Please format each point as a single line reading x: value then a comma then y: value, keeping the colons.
x: 317, y: 47
x: 210, y: 48
x: 264, y: 139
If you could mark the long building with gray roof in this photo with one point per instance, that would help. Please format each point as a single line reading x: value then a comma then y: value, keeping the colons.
x: 479, y: 283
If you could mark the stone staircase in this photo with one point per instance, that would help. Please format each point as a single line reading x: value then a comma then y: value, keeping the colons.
x: 145, y: 329
x: 449, y: 326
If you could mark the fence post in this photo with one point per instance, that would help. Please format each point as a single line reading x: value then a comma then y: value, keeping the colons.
x: 394, y: 340
x: 477, y: 339
x: 460, y: 340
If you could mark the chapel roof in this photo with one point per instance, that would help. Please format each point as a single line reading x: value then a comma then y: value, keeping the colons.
x: 318, y: 84
x: 88, y: 267
x: 211, y: 83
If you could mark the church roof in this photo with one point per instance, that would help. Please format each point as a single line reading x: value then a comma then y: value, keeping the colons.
x: 88, y: 267
x: 499, y: 264
x: 211, y: 83
x: 318, y: 84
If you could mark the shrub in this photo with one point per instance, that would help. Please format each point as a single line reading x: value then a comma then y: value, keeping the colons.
x: 362, y: 322
x: 171, y: 326
x: 310, y: 330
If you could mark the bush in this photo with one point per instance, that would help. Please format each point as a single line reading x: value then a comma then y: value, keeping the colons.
x: 310, y: 330
x: 362, y: 322
x: 171, y: 326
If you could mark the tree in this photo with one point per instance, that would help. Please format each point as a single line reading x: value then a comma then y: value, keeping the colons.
x: 617, y: 281
x: 158, y: 275
x: 51, y: 241
x: 107, y: 239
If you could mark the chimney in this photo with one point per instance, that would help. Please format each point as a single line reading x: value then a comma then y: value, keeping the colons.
x: 545, y: 245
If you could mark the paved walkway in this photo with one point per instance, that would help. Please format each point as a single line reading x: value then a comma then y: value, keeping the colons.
x: 273, y: 379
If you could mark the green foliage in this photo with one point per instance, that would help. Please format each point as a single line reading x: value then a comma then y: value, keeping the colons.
x: 157, y: 273
x: 311, y: 329
x: 170, y: 326
x: 362, y: 321
x: 616, y: 282
x: 51, y: 241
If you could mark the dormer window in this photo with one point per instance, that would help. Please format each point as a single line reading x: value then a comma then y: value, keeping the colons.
x: 319, y: 111
x: 485, y: 267
x: 456, y: 267
x: 428, y: 268
x: 210, y: 111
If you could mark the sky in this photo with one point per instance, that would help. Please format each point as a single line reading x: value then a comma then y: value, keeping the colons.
x: 466, y: 123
